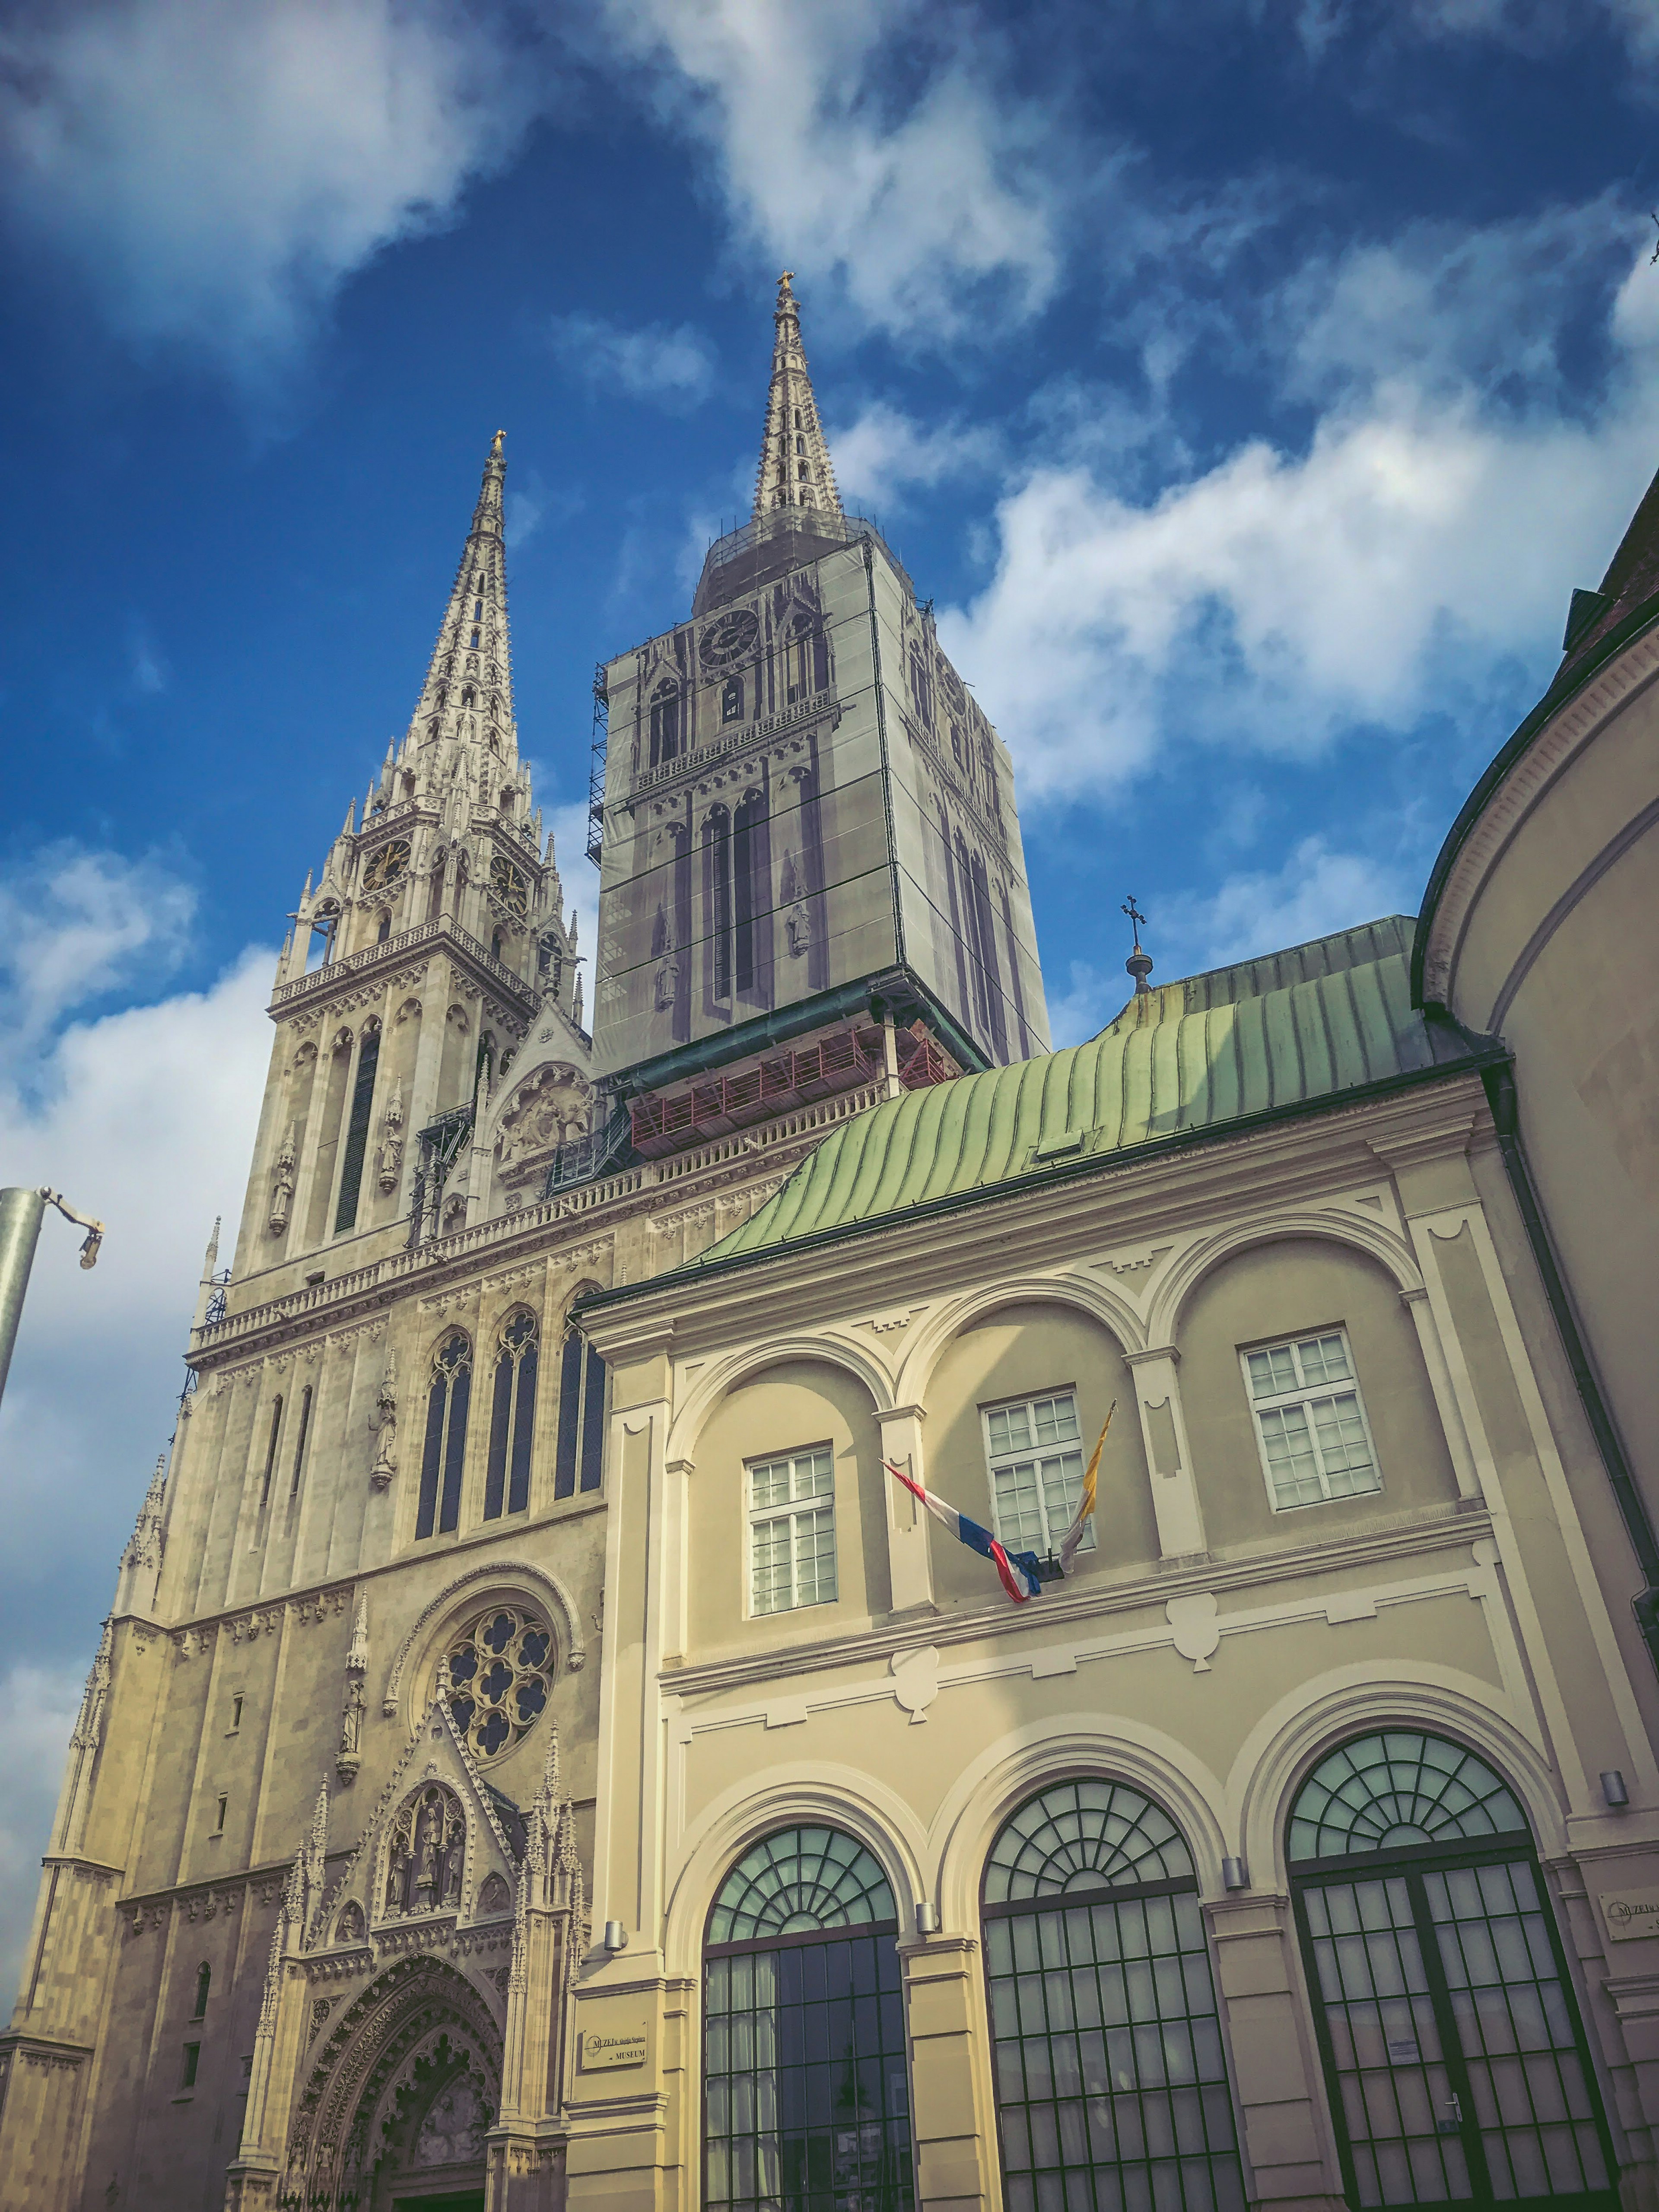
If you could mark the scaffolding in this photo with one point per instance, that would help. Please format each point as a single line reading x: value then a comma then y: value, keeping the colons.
x: 601, y: 731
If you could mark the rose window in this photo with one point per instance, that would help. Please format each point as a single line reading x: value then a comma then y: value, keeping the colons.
x: 501, y: 1671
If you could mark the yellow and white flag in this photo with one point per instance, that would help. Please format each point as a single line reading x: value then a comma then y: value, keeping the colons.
x: 1085, y: 1505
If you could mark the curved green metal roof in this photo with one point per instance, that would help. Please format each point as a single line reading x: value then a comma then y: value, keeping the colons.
x: 1227, y: 1047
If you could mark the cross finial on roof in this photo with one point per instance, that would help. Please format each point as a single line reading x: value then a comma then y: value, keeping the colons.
x: 1138, y: 965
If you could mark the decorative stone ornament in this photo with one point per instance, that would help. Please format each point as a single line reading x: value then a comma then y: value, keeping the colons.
x: 383, y: 1417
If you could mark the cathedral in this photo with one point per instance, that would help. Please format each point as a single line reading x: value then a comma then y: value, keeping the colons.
x: 799, y: 1603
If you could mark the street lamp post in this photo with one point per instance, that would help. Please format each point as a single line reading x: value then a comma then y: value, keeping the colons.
x: 21, y: 1214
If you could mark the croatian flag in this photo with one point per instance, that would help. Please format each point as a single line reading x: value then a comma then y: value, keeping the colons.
x: 1019, y: 1569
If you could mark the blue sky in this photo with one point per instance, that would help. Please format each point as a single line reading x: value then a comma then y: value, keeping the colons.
x: 1248, y: 383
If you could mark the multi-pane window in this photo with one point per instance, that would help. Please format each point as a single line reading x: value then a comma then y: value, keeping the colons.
x: 444, y: 1451
x: 1309, y: 1421
x: 1455, y: 2057
x: 580, y: 1446
x: 806, y: 2097
x: 792, y: 1530
x: 1034, y: 1452
x: 512, y: 1418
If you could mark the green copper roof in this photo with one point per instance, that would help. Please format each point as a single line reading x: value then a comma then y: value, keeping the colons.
x: 1269, y: 1034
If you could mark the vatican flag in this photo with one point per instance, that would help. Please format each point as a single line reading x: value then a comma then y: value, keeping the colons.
x: 1085, y: 1505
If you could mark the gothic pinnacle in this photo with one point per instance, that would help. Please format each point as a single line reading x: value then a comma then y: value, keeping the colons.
x: 795, y: 470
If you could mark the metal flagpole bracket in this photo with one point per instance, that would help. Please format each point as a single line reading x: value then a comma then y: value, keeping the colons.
x: 95, y: 1229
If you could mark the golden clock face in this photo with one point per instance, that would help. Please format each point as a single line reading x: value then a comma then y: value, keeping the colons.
x: 509, y: 885
x: 387, y: 865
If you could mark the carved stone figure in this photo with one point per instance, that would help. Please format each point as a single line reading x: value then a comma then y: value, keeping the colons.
x: 550, y: 1107
x: 797, y: 927
x: 392, y: 1142
x: 281, y: 1191
x: 383, y: 1416
x: 351, y: 1722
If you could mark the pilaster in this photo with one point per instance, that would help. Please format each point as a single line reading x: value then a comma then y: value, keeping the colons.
x: 1168, y: 1456
x: 910, y: 1561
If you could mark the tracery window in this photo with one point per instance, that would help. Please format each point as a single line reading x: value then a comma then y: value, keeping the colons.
x: 501, y: 1675
x: 664, y: 723
x: 425, y: 1855
x: 805, y: 2082
x: 580, y: 1448
x: 1111, y: 2082
x: 512, y: 1417
x: 1453, y: 2052
x: 443, y: 1457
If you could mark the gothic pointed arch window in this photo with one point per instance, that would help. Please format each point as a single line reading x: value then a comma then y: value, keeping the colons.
x: 732, y: 699
x: 203, y: 1982
x: 512, y: 1416
x: 1453, y: 2051
x: 717, y: 900
x: 444, y: 1452
x: 1111, y: 2081
x: 806, y: 2085
x: 579, y: 1459
x: 356, y: 1138
x: 664, y: 723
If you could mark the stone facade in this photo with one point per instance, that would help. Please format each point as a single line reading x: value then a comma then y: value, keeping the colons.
x: 531, y: 1573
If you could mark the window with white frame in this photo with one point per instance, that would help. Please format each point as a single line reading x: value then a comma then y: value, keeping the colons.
x: 792, y: 1530
x: 1316, y: 1444
x: 1033, y: 1451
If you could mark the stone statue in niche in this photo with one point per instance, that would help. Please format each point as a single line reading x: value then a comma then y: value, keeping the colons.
x: 384, y: 1417
x: 349, y: 1928
x: 282, y: 1189
x: 391, y: 1142
x: 425, y: 1855
x: 351, y: 1721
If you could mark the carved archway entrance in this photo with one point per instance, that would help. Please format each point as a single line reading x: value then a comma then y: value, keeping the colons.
x: 398, y: 2098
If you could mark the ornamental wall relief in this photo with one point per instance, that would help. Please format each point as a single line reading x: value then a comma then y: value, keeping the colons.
x: 550, y: 1107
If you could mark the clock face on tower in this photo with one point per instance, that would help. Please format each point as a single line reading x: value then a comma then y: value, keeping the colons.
x: 729, y: 637
x: 387, y: 865
x: 509, y: 885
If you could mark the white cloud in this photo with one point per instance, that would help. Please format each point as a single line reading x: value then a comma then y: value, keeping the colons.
x: 1283, y: 597
x: 923, y: 187
x: 146, y: 1118
x: 38, y: 1705
x: 884, y: 453
x: 215, y: 172
x: 75, y: 924
x: 675, y: 367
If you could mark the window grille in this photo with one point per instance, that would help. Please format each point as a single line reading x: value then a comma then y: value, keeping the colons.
x: 1111, y: 2080
x: 1313, y: 1440
x: 1453, y: 2052
x: 806, y: 2087
x: 444, y: 1453
x: 1033, y: 1450
x: 512, y: 1418
x: 791, y: 1531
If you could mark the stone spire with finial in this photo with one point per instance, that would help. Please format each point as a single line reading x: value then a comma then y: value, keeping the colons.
x: 467, y: 698
x: 795, y: 472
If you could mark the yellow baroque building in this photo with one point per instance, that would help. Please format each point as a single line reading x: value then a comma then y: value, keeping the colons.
x: 616, y: 1697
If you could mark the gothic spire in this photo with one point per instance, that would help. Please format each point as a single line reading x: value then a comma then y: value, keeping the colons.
x: 468, y: 696
x: 794, y: 469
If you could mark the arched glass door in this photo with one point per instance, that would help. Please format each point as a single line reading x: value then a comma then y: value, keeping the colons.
x: 806, y: 2092
x: 1453, y: 2051
x: 1112, y: 2091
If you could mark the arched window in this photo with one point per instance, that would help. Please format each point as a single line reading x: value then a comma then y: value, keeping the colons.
x: 363, y: 1100
x: 445, y: 1449
x: 203, y: 1982
x: 664, y: 723
x: 512, y: 1417
x: 270, y: 1452
x: 300, y: 1447
x: 495, y: 944
x: 1453, y: 2051
x: 806, y: 2090
x: 751, y: 900
x: 1111, y: 2082
x: 732, y: 699
x: 383, y: 928
x: 717, y: 898
x: 582, y: 1419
